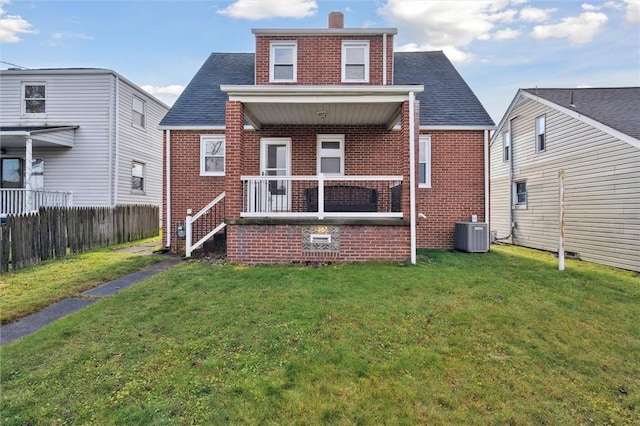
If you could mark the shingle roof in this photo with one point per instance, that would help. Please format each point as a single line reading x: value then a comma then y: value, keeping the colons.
x: 618, y: 107
x: 202, y: 103
x: 446, y: 101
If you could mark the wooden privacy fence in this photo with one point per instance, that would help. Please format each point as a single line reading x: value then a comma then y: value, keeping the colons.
x: 52, y: 232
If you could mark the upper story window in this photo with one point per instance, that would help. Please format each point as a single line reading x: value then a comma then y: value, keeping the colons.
x: 506, y: 146
x: 283, y: 61
x: 139, y: 112
x: 331, y: 154
x: 212, y: 154
x: 137, y: 177
x: 424, y: 162
x: 541, y: 142
x: 355, y: 61
x: 34, y: 96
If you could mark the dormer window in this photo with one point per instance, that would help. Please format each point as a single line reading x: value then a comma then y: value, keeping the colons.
x: 34, y: 98
x: 355, y: 61
x: 282, y: 62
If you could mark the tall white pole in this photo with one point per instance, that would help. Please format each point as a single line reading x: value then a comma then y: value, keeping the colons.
x: 561, y: 220
x: 412, y: 175
x: 28, y: 164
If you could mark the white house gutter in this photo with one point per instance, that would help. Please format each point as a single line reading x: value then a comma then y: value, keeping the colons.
x: 486, y: 184
x: 384, y: 59
x: 412, y: 174
x: 168, y: 178
x: 117, y: 159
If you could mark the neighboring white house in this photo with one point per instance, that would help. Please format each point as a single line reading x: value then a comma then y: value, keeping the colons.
x: 592, y: 136
x: 83, y: 137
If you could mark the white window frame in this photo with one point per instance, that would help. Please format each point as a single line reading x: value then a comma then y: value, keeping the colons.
x: 516, y: 203
x: 143, y: 113
x: 203, y: 157
x: 25, y: 99
x: 541, y: 130
x: 143, y: 177
x: 346, y: 44
x: 424, y: 147
x: 324, y: 152
x: 272, y: 57
x: 506, y: 146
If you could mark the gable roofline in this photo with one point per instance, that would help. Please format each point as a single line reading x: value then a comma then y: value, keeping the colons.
x: 323, y: 31
x: 524, y: 93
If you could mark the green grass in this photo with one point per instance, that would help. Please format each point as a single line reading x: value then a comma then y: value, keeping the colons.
x: 498, y: 338
x: 28, y: 290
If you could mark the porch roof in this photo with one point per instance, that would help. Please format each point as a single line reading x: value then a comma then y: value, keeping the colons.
x: 41, y: 136
x: 321, y: 105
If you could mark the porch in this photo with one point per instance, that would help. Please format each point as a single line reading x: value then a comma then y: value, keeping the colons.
x: 20, y: 200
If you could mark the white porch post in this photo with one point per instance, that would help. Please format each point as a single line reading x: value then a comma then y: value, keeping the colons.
x: 28, y: 160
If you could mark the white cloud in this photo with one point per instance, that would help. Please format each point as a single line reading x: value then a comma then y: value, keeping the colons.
x: 579, y: 30
x: 167, y: 94
x: 446, y: 25
x: 57, y: 37
x: 11, y: 26
x: 633, y: 11
x: 254, y: 10
x: 589, y: 7
x: 506, y: 34
x: 534, y: 14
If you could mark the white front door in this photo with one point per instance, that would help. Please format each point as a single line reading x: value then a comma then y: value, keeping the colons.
x: 275, y: 160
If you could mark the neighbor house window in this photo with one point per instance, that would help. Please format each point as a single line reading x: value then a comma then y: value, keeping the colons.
x: 139, y: 112
x: 506, y: 146
x: 12, y: 173
x: 424, y: 162
x: 34, y: 98
x: 283, y: 59
x: 137, y: 177
x: 520, y: 194
x: 212, y: 149
x: 331, y: 154
x: 541, y: 142
x: 355, y: 61
x: 37, y: 174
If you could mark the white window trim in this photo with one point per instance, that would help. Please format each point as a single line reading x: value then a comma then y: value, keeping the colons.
x: 425, y: 139
x: 506, y: 136
x: 203, y: 149
x: 319, y: 151
x: 516, y: 205
x: 23, y: 100
x: 355, y: 43
x: 144, y: 178
x: 144, y: 112
x: 273, y: 45
x: 544, y: 118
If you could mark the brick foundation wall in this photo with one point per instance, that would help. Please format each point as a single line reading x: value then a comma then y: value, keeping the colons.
x: 257, y: 244
x: 457, y: 186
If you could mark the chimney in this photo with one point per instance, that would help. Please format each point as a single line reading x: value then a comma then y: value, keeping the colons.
x: 336, y: 20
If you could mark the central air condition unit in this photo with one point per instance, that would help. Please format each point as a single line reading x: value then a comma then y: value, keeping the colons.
x: 471, y: 237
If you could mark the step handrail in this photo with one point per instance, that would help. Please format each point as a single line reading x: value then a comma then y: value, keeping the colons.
x: 189, y: 220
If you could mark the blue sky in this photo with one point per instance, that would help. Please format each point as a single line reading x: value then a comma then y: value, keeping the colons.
x: 498, y: 46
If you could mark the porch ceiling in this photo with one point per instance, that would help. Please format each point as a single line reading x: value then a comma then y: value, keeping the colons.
x: 321, y: 105
x: 41, y: 136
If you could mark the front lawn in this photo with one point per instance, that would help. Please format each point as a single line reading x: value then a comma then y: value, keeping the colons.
x: 498, y: 338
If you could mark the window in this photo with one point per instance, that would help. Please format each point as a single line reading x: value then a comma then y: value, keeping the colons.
x: 11, y: 172
x: 212, y: 149
x: 34, y: 98
x: 139, y: 112
x: 137, y: 177
x: 37, y: 174
x: 282, y: 61
x: 520, y: 194
x: 355, y: 61
x: 540, y: 133
x: 331, y: 154
x: 506, y: 145
x: 424, y: 162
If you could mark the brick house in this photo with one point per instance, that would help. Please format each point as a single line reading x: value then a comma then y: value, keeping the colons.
x: 324, y: 145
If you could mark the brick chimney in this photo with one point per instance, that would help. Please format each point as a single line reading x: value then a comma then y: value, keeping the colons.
x: 336, y: 20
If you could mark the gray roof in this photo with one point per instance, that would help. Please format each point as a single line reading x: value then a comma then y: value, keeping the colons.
x: 446, y: 101
x: 616, y: 107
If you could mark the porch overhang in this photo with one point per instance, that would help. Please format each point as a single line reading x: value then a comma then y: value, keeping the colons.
x: 41, y: 136
x: 322, y: 105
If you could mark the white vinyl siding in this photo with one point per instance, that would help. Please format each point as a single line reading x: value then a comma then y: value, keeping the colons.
x: 602, y: 177
x: 212, y: 155
x: 330, y: 155
x: 355, y: 61
x: 424, y: 162
x: 283, y: 60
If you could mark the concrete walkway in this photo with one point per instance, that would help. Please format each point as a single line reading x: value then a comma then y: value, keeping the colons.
x: 30, y: 324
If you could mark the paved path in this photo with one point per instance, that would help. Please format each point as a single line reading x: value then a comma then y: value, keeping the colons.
x: 30, y: 324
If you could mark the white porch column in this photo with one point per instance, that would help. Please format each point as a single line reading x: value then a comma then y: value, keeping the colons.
x: 28, y: 164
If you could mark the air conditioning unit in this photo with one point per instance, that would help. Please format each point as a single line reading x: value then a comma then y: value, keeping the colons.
x: 471, y: 237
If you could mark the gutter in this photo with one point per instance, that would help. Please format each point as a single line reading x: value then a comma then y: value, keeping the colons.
x: 168, y: 189
x: 412, y: 174
x: 486, y: 186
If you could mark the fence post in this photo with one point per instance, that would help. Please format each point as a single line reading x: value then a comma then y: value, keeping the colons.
x: 188, y: 229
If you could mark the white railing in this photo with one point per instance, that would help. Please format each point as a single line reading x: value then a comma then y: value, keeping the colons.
x: 322, y: 196
x: 211, y: 222
x: 17, y: 201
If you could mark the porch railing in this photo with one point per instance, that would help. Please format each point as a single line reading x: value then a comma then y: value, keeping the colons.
x: 17, y: 201
x: 204, y: 224
x: 322, y: 196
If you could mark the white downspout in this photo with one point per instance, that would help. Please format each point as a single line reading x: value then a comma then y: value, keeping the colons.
x: 384, y: 59
x: 117, y: 159
x: 168, y: 189
x: 412, y: 174
x: 486, y: 185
